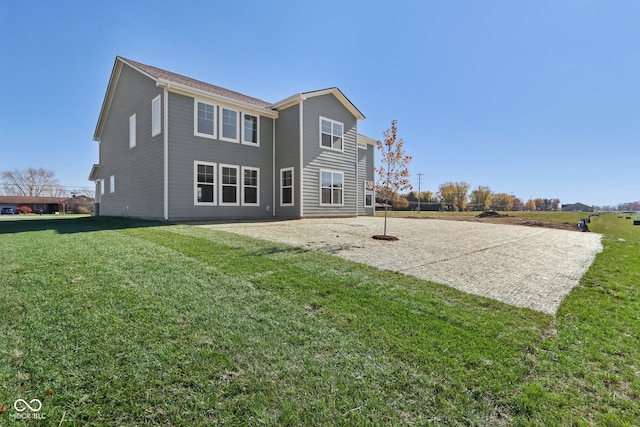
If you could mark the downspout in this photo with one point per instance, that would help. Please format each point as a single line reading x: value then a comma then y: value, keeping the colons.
x: 357, y: 177
x: 273, y: 169
x: 166, y: 154
x: 300, y: 171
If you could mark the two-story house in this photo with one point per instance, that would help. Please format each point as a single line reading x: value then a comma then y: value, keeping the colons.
x: 175, y: 148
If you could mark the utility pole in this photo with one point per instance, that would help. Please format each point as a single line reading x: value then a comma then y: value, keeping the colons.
x: 419, y: 182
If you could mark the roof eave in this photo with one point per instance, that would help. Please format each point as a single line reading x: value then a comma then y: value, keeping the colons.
x: 188, y: 90
x: 95, y: 172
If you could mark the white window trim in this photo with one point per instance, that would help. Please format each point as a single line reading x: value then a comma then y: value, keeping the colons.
x: 156, y: 122
x: 195, y: 118
x: 220, y: 185
x: 132, y: 131
x: 320, y: 188
x: 102, y: 186
x: 243, y: 141
x: 195, y: 184
x: 244, y: 168
x: 293, y: 198
x: 368, y: 190
x: 236, y: 139
x: 112, y: 184
x: 320, y: 134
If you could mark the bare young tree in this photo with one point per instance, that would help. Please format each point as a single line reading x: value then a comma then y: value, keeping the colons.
x: 393, y: 173
x: 31, y: 182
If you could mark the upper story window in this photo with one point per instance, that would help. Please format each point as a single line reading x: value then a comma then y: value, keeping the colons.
x: 132, y: 131
x: 331, y: 134
x: 205, y: 119
x: 112, y: 184
x: 229, y: 131
x: 250, y: 129
x: 155, y: 116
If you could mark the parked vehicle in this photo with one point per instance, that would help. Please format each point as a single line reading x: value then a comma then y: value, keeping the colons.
x: 6, y: 211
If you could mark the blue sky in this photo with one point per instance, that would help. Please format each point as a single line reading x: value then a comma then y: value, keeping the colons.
x: 535, y: 98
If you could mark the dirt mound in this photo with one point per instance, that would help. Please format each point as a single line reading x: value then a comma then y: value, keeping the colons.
x: 491, y: 214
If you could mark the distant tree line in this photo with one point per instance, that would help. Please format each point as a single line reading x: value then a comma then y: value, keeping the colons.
x: 458, y: 196
x: 36, y: 182
x: 622, y: 207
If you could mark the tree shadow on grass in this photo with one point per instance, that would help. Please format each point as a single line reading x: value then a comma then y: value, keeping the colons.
x: 66, y: 225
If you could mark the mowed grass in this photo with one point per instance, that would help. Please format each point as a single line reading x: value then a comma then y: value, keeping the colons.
x: 137, y: 323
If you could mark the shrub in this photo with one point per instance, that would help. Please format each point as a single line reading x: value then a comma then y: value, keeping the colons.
x: 77, y: 209
x: 24, y: 209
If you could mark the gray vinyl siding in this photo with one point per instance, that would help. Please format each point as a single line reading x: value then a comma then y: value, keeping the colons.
x: 317, y: 158
x: 138, y: 171
x: 365, y: 173
x: 185, y: 148
x: 288, y: 156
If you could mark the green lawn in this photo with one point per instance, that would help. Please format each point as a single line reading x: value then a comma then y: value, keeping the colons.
x: 131, y: 323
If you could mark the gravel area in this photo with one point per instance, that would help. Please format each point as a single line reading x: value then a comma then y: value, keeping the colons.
x: 523, y: 266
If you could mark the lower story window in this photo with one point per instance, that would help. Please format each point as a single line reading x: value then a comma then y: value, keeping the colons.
x: 250, y: 186
x: 368, y: 194
x: 228, y: 185
x: 286, y: 187
x: 205, y: 176
x: 331, y: 184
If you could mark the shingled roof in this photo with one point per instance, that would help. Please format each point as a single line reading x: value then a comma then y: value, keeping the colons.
x: 170, y: 77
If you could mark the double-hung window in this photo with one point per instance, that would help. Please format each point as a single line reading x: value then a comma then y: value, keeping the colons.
x: 250, y: 129
x: 331, y: 134
x: 331, y: 186
x: 205, y: 119
x: 250, y: 186
x: 286, y: 187
x: 368, y: 194
x: 155, y: 116
x: 205, y: 183
x: 229, y: 126
x: 229, y: 185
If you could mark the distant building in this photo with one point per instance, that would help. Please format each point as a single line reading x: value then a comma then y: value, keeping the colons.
x: 45, y: 205
x: 577, y: 207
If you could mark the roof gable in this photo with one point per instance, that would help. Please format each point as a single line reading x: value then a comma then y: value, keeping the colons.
x: 299, y: 97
